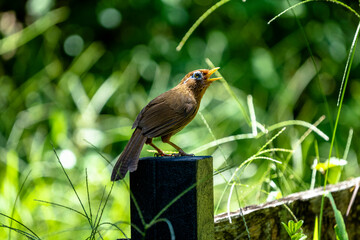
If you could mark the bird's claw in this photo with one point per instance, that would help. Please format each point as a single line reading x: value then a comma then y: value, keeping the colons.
x: 179, y: 154
x: 162, y: 155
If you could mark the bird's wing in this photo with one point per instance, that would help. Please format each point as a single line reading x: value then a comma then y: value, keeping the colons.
x: 166, y: 114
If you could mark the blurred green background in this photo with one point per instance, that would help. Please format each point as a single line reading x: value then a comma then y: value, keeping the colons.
x: 76, y: 75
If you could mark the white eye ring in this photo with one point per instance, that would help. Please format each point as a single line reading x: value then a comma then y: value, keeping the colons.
x: 197, y: 75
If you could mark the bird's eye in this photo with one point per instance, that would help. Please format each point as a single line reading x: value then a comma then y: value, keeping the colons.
x: 197, y: 75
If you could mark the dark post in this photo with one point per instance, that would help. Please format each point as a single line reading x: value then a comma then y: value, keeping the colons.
x: 158, y: 181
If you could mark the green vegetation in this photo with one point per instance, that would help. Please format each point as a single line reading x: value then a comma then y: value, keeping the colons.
x: 73, y: 78
x: 340, y: 229
x: 294, y: 230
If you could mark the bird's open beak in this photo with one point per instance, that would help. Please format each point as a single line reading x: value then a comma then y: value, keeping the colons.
x: 211, y: 72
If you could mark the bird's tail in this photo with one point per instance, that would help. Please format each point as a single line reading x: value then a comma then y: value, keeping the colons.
x: 129, y: 158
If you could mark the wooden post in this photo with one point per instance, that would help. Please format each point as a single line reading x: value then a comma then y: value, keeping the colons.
x: 160, y: 180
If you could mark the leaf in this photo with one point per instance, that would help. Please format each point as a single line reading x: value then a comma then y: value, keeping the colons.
x: 334, y: 175
x: 294, y: 230
x: 298, y: 225
x: 292, y: 227
x: 337, y: 232
x: 340, y: 228
x: 316, y: 229
x: 286, y: 228
x: 296, y: 236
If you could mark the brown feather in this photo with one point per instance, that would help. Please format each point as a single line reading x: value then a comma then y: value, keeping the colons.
x: 161, y: 117
x: 129, y: 158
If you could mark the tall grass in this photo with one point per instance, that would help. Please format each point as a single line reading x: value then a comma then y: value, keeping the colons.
x: 262, y: 146
x: 340, y: 98
x: 339, y: 102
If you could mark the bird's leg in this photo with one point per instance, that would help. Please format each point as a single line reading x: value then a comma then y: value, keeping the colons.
x: 166, y: 139
x: 159, y: 151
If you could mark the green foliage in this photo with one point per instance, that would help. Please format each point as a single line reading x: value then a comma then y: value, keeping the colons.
x: 294, y: 230
x: 72, y: 76
x: 29, y: 234
x: 316, y: 229
x: 340, y: 228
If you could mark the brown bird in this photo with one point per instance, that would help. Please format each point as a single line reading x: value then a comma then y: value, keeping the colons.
x: 164, y: 116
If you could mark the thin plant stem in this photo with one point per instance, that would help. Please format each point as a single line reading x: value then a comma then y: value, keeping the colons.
x: 327, y: 108
x: 306, y: 1
x: 88, y: 195
x: 348, y: 143
x: 60, y: 205
x: 198, y: 22
x: 231, y: 92
x: 16, y: 199
x: 346, y: 74
x: 19, y: 224
x: 71, y: 184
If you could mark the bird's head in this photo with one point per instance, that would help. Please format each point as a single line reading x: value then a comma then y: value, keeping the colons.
x: 199, y: 79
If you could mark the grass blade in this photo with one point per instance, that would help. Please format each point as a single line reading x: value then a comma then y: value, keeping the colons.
x: 16, y: 199
x: 300, y: 3
x: 348, y: 66
x: 114, y: 225
x: 27, y: 235
x: 71, y: 184
x: 302, y: 138
x: 213, y: 136
x: 300, y: 123
x: 60, y: 205
x: 98, y: 152
x: 230, y: 91
x: 171, y: 228
x: 222, y: 141
x: 103, y: 208
x: 329, y: 115
x: 248, y: 161
x: 352, y: 200
x: 270, y: 141
x: 88, y: 195
x: 348, y: 143
x: 199, y: 21
x: 346, y: 72
x: 13, y: 219
x: 229, y: 201
x: 37, y: 28
x: 252, y: 115
x: 340, y: 228
x: 97, y: 217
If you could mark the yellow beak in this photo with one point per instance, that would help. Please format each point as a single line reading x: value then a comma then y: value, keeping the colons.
x: 211, y: 73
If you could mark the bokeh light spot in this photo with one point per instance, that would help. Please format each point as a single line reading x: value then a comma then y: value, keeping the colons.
x: 38, y: 7
x: 67, y: 158
x: 110, y: 18
x: 73, y: 45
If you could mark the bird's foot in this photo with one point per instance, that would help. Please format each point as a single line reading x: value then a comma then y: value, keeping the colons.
x: 162, y: 154
x: 182, y: 153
